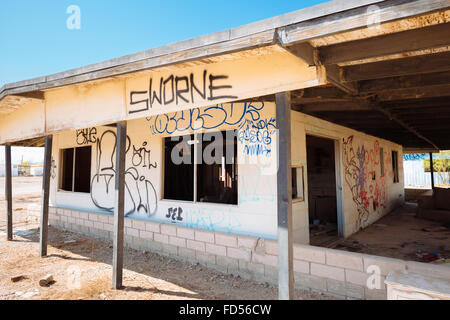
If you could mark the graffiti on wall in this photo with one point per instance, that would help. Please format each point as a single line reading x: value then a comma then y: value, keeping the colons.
x: 140, y: 194
x: 86, y: 136
x: 257, y: 135
x: 362, y: 176
x: 175, y: 214
x: 142, y: 157
x: 414, y: 157
x: 255, y: 132
x: 175, y: 89
x: 222, y: 219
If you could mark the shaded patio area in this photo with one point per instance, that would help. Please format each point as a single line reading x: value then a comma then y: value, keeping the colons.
x: 402, y: 235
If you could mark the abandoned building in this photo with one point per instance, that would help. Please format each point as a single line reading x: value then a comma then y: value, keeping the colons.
x: 317, y: 107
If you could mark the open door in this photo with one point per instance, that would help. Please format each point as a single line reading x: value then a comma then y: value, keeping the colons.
x: 323, y: 196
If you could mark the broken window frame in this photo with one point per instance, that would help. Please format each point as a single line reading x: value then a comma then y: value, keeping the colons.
x: 302, y: 175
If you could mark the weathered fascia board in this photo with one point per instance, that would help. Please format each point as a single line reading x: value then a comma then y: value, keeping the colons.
x: 360, y: 18
x: 226, y: 36
x: 24, y: 123
x: 80, y: 75
x: 222, y: 82
x: 99, y: 103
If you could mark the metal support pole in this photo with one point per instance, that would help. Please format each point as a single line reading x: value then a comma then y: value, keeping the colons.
x: 432, y: 170
x: 45, y: 195
x: 8, y: 193
x: 119, y: 206
x: 284, y: 196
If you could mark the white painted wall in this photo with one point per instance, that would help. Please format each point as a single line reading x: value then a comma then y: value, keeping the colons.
x: 360, y: 157
x: 255, y: 213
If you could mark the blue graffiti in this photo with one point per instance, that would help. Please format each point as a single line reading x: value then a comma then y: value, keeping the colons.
x: 210, y: 118
x: 217, y: 220
x: 257, y: 150
x: 414, y: 157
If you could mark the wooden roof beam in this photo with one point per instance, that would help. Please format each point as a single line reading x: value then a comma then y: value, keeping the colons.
x: 311, y: 108
x: 377, y: 106
x: 415, y: 93
x: 437, y: 62
x: 405, y: 82
x: 406, y: 41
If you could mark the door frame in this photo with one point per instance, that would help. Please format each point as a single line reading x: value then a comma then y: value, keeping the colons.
x: 338, y: 167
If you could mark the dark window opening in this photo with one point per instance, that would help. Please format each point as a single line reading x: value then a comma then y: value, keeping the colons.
x: 382, y: 162
x: 67, y: 170
x: 395, y: 166
x: 76, y: 169
x: 217, y: 182
x: 212, y: 180
x: 179, y: 177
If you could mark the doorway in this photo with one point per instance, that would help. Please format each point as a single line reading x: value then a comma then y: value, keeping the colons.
x: 322, y: 190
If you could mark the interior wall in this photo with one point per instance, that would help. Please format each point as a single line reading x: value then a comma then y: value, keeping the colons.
x: 367, y: 196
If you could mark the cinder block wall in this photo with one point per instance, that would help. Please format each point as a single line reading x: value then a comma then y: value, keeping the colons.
x: 343, y: 274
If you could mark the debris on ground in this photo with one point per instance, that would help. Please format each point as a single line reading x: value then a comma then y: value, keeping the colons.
x: 69, y: 243
x: 46, y: 281
x: 18, y: 278
x: 432, y: 256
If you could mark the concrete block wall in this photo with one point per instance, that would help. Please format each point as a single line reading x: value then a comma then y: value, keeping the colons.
x: 339, y: 273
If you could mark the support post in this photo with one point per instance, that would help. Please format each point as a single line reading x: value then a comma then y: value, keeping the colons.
x: 432, y: 170
x: 45, y: 196
x: 8, y: 193
x: 284, y: 196
x: 119, y: 205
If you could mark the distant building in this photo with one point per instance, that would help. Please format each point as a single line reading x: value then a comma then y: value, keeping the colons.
x: 15, y: 171
x: 24, y: 169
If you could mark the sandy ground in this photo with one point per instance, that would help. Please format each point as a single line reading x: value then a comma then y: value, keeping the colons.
x: 22, y: 186
x: 81, y: 268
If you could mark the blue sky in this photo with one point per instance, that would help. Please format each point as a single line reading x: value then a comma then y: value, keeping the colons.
x: 35, y: 40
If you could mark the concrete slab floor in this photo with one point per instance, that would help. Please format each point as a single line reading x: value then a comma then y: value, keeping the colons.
x: 403, y: 236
